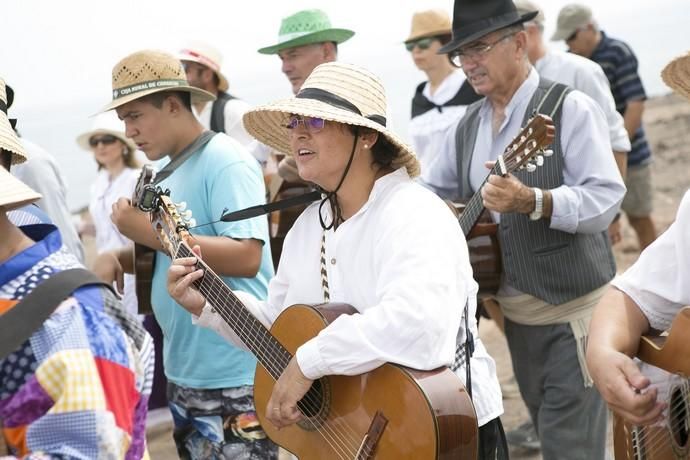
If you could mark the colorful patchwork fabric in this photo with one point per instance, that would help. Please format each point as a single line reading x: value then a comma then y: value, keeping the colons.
x: 79, y: 386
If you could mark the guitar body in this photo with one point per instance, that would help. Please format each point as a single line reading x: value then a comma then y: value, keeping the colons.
x: 429, y: 415
x: 669, y: 440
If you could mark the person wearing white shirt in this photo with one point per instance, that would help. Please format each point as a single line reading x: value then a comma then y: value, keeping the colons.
x: 202, y: 64
x: 581, y: 74
x: 645, y: 299
x: 389, y: 247
x: 118, y: 171
x: 552, y: 223
x: 440, y: 102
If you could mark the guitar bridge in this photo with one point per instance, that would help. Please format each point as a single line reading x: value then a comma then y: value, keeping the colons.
x: 371, y: 439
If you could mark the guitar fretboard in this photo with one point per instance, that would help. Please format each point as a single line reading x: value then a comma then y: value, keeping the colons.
x: 270, y: 353
x: 474, y: 208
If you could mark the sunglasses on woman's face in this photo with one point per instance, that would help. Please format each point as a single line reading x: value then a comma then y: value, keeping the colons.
x: 313, y: 125
x: 422, y: 43
x: 106, y: 139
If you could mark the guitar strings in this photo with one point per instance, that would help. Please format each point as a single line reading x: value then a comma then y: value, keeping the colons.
x: 329, y: 437
x: 655, y: 436
x: 329, y: 433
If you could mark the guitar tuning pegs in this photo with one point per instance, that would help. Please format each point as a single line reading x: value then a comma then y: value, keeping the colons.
x: 530, y: 167
x: 548, y: 152
x: 187, y: 214
x: 181, y: 206
x: 540, y: 160
x: 192, y: 222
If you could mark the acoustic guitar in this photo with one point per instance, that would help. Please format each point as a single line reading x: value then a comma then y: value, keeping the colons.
x: 144, y: 257
x: 525, y: 151
x: 669, y: 439
x: 391, y: 412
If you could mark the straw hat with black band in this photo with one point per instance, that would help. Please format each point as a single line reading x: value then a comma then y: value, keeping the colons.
x: 676, y: 75
x: 473, y: 19
x: 148, y: 72
x: 334, y: 91
x: 337, y: 92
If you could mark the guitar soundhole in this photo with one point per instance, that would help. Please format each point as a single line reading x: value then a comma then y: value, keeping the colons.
x: 678, y: 416
x: 315, y: 405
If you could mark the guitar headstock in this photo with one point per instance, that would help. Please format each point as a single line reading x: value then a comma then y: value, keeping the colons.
x: 528, y: 149
x: 171, y: 222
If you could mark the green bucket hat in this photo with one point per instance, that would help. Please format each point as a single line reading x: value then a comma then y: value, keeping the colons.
x: 304, y: 28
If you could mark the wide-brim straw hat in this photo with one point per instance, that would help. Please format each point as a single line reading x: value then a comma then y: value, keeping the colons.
x: 305, y: 28
x: 15, y: 193
x: 207, y: 55
x: 106, y: 123
x: 334, y: 91
x: 8, y: 138
x: 147, y: 72
x: 430, y: 23
x: 676, y: 75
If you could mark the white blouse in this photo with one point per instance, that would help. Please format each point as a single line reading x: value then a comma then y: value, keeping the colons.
x: 658, y: 281
x: 402, y: 262
x: 104, y: 193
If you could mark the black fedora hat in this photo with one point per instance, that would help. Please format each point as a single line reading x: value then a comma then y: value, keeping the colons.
x: 472, y: 19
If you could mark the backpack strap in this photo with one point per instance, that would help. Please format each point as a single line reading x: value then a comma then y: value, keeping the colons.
x: 29, y: 313
x: 218, y: 111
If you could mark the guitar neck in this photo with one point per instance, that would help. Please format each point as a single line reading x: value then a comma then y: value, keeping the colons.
x: 474, y: 208
x: 255, y: 336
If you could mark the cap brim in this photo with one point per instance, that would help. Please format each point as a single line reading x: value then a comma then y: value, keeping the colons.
x: 267, y: 125
x: 456, y: 43
x: 328, y: 35
x: 562, y: 34
x: 198, y: 95
x: 83, y: 139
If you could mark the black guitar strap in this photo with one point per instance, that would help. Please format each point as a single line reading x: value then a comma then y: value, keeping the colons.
x: 183, y: 156
x: 28, y: 315
x: 261, y: 209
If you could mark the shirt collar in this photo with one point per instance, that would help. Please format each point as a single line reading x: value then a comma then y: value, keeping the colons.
x: 447, y: 89
x: 525, y: 91
x: 47, y: 241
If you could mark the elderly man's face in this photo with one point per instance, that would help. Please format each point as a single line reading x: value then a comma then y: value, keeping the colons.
x: 298, y: 62
x: 492, y: 61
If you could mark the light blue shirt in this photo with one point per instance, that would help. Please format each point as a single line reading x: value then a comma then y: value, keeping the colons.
x: 592, y: 187
x: 222, y: 176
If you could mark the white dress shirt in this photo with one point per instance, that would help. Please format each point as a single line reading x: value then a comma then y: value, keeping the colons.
x: 586, y: 76
x: 105, y: 192
x: 659, y: 281
x: 233, y: 112
x: 592, y: 187
x: 402, y: 262
x: 427, y: 130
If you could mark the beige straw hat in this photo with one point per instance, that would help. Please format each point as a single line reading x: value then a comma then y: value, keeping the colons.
x: 13, y: 192
x: 147, y: 72
x: 207, y: 55
x: 676, y: 75
x: 8, y: 138
x: 334, y: 91
x: 430, y: 23
x: 106, y: 123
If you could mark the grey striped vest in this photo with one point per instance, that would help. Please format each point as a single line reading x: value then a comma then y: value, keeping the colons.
x: 551, y: 265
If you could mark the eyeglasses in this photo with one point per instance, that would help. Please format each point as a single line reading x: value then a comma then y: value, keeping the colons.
x: 476, y: 52
x: 313, y: 125
x: 422, y: 43
x: 106, y: 139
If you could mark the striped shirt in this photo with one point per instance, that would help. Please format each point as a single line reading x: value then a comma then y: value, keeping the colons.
x: 620, y: 66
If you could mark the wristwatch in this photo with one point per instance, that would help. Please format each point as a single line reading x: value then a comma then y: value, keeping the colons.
x: 538, y: 204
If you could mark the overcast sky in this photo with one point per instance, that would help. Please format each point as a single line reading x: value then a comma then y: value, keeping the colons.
x: 58, y: 54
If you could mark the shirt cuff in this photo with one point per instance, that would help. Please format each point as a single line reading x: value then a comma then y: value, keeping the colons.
x: 564, y: 214
x: 310, y: 361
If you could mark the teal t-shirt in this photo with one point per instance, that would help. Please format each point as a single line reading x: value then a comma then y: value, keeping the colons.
x: 222, y: 176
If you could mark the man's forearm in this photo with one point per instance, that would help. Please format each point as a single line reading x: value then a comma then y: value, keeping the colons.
x: 622, y: 162
x: 632, y: 118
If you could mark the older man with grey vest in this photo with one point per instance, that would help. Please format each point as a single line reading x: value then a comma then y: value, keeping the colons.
x: 553, y: 222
